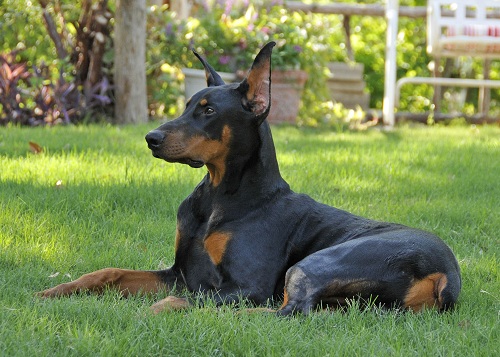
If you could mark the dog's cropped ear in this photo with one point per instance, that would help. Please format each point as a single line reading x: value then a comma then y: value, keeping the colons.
x: 256, y: 87
x: 213, y: 78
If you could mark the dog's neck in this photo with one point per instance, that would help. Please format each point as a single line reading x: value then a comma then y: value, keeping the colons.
x: 267, y: 155
x: 256, y: 174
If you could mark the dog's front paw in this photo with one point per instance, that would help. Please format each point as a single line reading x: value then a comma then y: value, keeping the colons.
x: 45, y: 294
x: 170, y: 303
x: 56, y: 291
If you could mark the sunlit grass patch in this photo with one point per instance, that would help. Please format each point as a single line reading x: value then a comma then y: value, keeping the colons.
x: 95, y: 197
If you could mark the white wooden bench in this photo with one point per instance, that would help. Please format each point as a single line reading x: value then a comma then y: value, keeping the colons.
x: 461, y: 28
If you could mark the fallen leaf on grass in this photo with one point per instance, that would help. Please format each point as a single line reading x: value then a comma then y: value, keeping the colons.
x: 35, y: 148
x: 56, y: 274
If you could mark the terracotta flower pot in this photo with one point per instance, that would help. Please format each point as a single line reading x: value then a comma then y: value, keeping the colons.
x: 286, y: 93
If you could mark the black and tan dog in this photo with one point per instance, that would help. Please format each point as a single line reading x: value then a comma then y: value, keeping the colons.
x: 244, y: 233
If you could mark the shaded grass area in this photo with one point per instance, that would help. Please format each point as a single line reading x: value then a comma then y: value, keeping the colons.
x: 96, y: 197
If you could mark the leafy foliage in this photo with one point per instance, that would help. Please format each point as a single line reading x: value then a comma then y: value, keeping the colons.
x: 230, y: 37
x: 65, y: 76
x: 228, y: 33
x: 29, y: 98
x: 11, y: 76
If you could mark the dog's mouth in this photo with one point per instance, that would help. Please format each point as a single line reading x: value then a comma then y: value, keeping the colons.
x: 187, y: 161
x: 193, y: 163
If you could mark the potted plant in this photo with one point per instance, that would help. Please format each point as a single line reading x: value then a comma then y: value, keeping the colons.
x: 229, y: 37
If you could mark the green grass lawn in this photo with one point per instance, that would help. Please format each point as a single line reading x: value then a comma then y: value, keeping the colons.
x: 96, y: 198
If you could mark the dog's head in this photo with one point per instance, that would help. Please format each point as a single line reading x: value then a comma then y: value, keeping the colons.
x: 220, y: 121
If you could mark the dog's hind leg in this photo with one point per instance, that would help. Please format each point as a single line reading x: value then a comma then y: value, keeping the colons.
x: 124, y: 280
x: 299, y: 293
x: 308, y: 286
x: 409, y: 273
x: 170, y: 303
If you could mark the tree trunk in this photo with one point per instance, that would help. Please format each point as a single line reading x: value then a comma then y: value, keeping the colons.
x: 130, y: 62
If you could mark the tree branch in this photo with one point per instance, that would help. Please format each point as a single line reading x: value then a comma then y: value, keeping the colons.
x: 52, y: 30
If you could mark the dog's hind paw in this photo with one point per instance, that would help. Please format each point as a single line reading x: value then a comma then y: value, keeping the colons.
x: 170, y: 303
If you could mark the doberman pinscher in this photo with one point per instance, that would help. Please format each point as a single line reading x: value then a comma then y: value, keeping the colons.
x: 244, y: 233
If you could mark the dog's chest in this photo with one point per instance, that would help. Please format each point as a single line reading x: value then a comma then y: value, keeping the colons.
x: 200, y: 244
x: 213, y: 251
x: 202, y: 235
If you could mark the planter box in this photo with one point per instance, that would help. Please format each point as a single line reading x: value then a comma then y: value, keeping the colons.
x: 346, y: 85
x: 195, y: 80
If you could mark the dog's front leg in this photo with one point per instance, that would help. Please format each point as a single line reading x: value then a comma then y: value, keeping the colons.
x: 124, y: 280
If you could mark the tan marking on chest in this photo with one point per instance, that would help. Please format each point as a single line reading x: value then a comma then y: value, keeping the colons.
x: 215, y: 245
x: 426, y: 293
x: 216, y: 152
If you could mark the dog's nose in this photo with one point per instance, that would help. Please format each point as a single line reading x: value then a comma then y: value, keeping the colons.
x: 154, y: 138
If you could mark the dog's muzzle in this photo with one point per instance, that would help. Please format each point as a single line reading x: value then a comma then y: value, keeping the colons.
x: 156, y: 142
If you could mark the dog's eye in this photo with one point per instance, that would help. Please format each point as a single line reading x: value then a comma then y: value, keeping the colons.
x: 208, y: 111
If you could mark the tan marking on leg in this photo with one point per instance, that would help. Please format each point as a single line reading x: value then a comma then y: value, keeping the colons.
x: 124, y: 280
x: 285, y: 299
x: 170, y: 303
x: 215, y: 245
x: 426, y: 293
x: 440, y: 285
x: 338, y: 292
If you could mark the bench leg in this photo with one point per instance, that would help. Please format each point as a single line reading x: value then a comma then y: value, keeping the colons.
x: 485, y: 93
x: 436, y: 98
